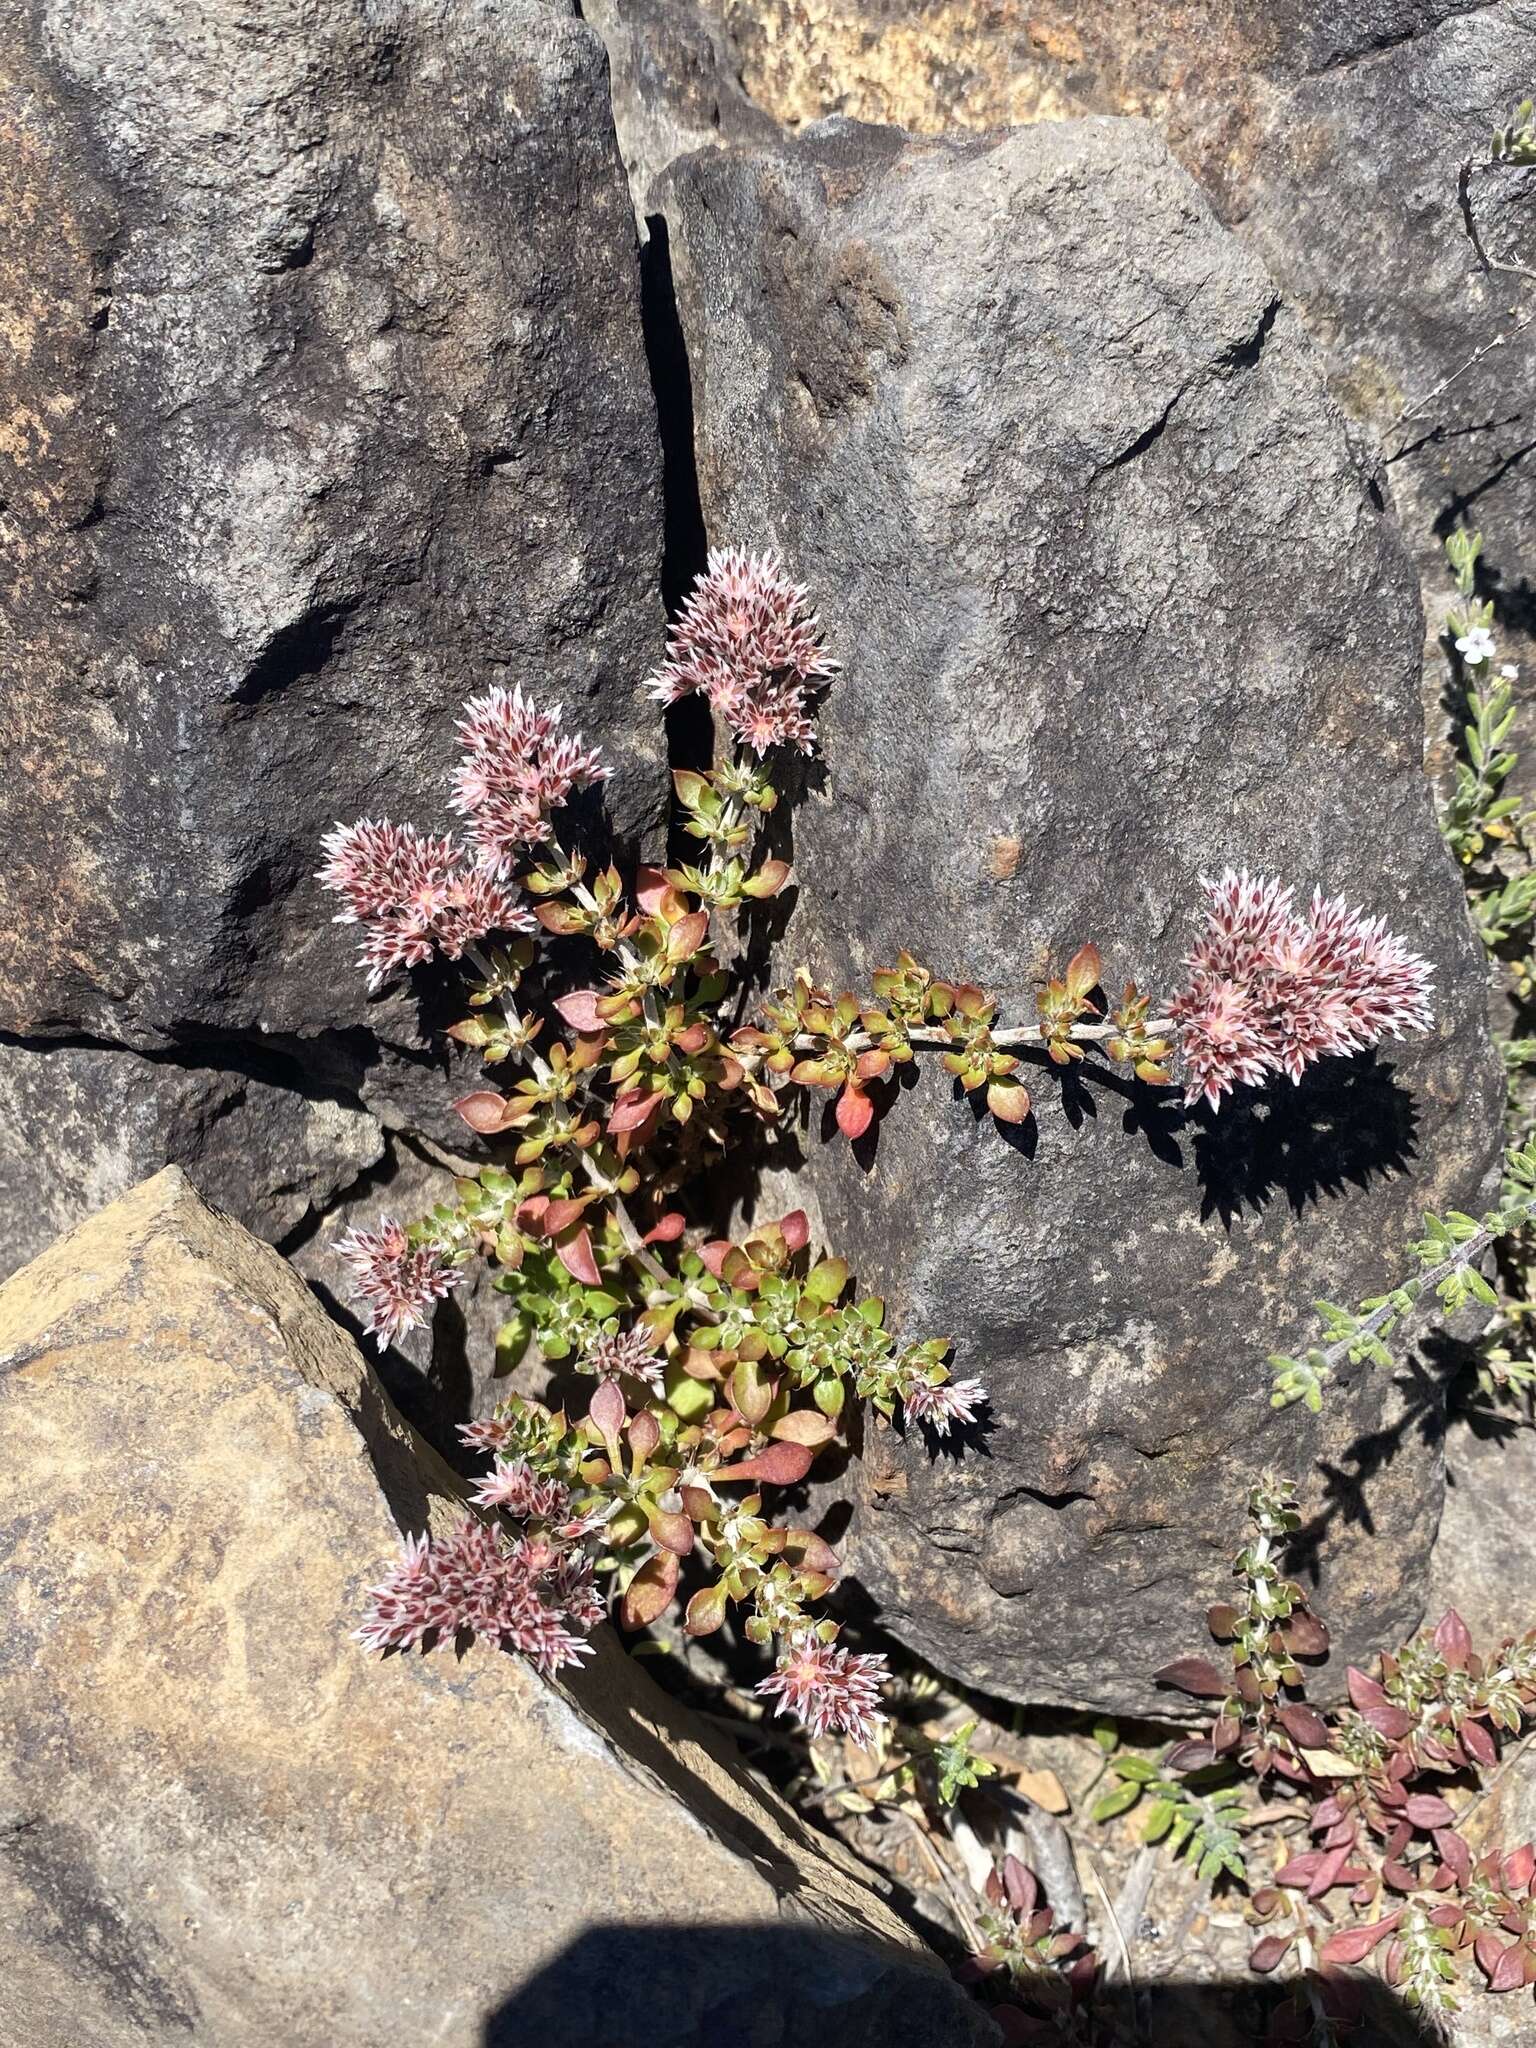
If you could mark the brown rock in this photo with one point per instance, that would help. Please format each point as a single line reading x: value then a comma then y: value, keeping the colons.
x: 221, y: 1823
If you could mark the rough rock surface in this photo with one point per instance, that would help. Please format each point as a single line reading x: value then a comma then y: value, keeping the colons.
x: 1485, y: 1554
x: 80, y: 1125
x: 221, y: 1823
x: 674, y: 86
x: 1329, y: 137
x: 325, y: 404
x: 1118, y: 606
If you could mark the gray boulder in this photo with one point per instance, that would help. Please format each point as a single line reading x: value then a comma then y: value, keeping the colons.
x: 80, y: 1125
x: 1118, y: 606
x: 329, y: 406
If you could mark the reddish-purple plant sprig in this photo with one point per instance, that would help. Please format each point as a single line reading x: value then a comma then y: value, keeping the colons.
x: 1043, y: 1974
x: 1391, y: 1877
x: 748, y: 640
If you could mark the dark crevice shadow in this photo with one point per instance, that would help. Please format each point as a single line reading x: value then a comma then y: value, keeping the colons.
x: 684, y: 542
x: 633, y: 1984
x: 435, y: 1401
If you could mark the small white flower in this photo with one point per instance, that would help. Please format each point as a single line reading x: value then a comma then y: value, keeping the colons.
x: 1475, y: 646
x: 1510, y: 671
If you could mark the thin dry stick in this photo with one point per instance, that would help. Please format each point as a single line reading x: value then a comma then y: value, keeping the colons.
x: 1114, y: 1920
x: 1490, y: 268
x: 1469, y: 222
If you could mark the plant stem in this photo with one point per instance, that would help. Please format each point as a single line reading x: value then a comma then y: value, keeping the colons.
x: 927, y: 1039
x: 1464, y: 1255
x: 629, y: 1230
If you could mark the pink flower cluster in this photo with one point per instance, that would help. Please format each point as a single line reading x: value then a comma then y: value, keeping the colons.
x: 527, y: 1495
x: 831, y: 1690
x: 1270, y: 992
x: 517, y: 768
x: 631, y: 1351
x: 749, y: 640
x: 956, y: 1401
x: 518, y: 1593
x: 412, y: 893
x: 396, y: 1281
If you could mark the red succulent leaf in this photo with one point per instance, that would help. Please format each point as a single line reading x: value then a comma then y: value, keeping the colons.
x: 1509, y: 1971
x: 1333, y: 1868
x: 795, y: 1229
x: 804, y: 1426
x: 706, y: 1611
x: 560, y: 1215
x: 1020, y: 1886
x: 1364, y: 1692
x: 1191, y: 1755
x: 1193, y: 1675
x: 644, y: 1434
x: 484, y: 1110
x: 575, y: 1254
x: 673, y: 1532
x: 1300, y: 1870
x: 1398, y: 1875
x: 1305, y: 1726
x: 580, y: 1011
x: 1453, y: 1640
x: 780, y: 1464
x: 1519, y: 1867
x: 1354, y: 1944
x: 1429, y: 1810
x: 855, y: 1111
x: 813, y: 1551
x: 1477, y: 1742
x: 1454, y: 1853
x: 1222, y: 1620
x: 650, y: 1590
x: 1008, y: 1101
x: 687, y: 935
x: 1268, y: 1952
x: 631, y: 1109
x: 652, y: 889
x: 1304, y: 1635
x: 666, y: 1229
x: 1083, y: 971
x: 1389, y: 1721
x: 1226, y: 1733
x: 606, y: 1412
